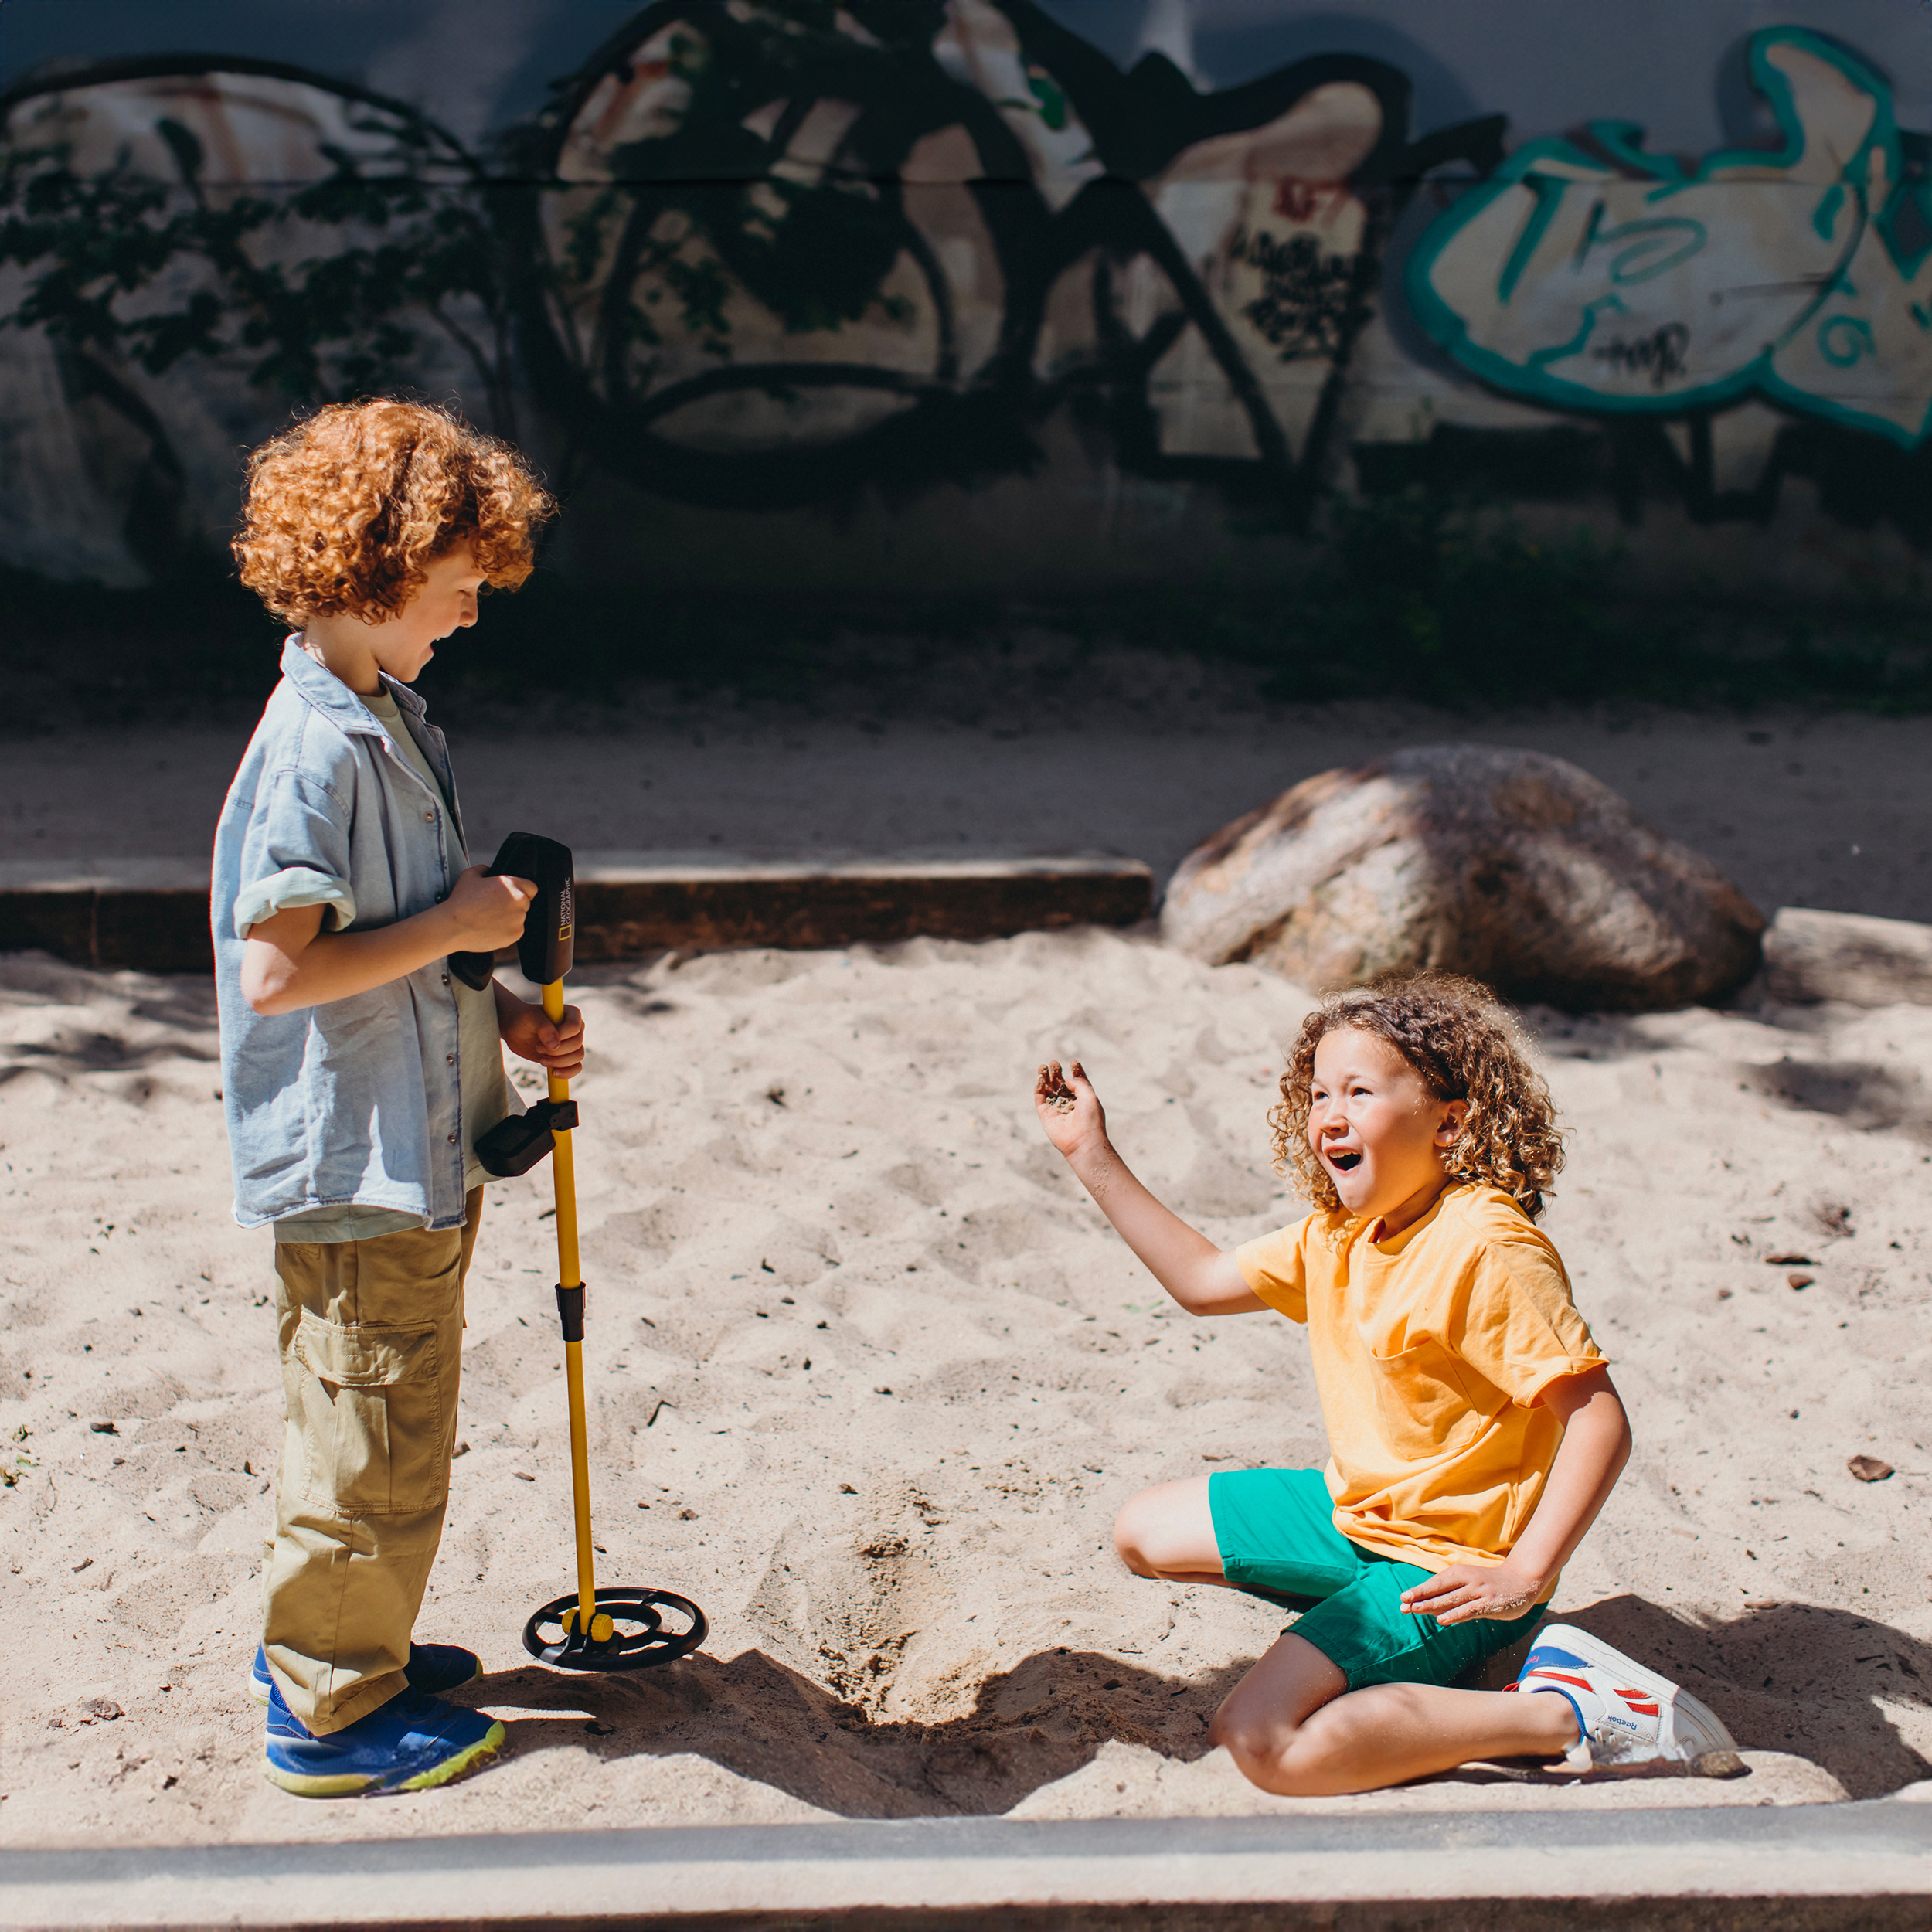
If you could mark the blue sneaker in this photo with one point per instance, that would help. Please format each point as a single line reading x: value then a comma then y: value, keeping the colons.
x: 409, y: 1744
x: 432, y: 1669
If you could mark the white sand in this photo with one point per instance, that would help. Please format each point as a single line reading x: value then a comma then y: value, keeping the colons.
x: 831, y: 1158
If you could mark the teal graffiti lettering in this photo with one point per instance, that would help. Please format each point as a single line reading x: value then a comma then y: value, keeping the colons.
x: 1844, y: 339
x: 1046, y: 90
x: 1905, y: 227
x: 1640, y: 261
x: 1045, y: 99
x: 1824, y: 218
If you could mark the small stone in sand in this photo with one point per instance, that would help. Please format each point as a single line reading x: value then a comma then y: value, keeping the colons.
x: 1788, y: 1260
x: 1799, y: 1280
x: 1868, y: 1468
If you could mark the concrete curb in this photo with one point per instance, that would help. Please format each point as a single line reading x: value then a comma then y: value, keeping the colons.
x: 152, y: 913
x: 1768, y: 1870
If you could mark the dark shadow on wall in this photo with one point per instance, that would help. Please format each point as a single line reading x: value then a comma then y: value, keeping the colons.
x: 1863, y: 482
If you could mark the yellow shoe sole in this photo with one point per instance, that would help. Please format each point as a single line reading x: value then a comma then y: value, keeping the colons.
x: 485, y: 1746
x: 347, y: 1785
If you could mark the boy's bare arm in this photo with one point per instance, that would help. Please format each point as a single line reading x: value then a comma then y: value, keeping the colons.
x: 289, y: 963
x: 1204, y: 1279
x: 1596, y: 1446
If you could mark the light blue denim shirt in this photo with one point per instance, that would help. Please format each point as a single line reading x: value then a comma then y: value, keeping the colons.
x: 358, y: 1101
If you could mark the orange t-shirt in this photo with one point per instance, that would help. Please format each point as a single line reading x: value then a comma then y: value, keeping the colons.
x: 1429, y: 1352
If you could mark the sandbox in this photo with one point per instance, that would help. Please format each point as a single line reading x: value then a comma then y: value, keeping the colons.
x: 870, y: 1377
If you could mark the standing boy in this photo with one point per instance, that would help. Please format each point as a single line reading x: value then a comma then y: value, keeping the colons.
x: 357, y: 1071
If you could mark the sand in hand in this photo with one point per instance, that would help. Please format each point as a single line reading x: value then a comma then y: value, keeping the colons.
x: 870, y: 1377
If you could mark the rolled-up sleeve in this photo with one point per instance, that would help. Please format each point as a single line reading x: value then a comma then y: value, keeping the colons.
x: 296, y: 853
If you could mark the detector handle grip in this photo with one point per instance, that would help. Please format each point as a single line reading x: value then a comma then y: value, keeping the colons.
x: 548, y: 948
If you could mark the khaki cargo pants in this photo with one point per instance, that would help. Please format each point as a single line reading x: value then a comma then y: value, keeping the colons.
x: 372, y: 1349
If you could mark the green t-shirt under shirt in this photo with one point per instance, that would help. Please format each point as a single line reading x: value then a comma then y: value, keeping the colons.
x: 486, y: 1098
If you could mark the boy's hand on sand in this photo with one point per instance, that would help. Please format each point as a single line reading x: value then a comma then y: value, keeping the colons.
x: 487, y: 913
x: 1068, y: 1108
x: 556, y: 1045
x: 1463, y: 1592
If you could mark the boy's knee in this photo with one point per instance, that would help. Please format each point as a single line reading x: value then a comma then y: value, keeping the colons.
x: 1266, y: 1747
x: 1234, y: 1732
x: 1127, y: 1547
x: 1131, y: 1529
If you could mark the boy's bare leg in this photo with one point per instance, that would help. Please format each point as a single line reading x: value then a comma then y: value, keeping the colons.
x: 1169, y: 1531
x: 1293, y: 1726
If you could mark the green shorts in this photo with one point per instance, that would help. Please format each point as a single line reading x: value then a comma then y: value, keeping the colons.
x: 1275, y: 1530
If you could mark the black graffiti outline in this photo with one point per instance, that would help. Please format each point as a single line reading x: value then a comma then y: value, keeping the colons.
x: 988, y: 417
x: 965, y: 429
x: 1139, y: 122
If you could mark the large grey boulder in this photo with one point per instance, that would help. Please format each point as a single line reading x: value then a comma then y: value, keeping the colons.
x: 1517, y: 868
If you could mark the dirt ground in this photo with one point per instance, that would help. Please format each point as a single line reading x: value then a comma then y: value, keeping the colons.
x: 1051, y: 751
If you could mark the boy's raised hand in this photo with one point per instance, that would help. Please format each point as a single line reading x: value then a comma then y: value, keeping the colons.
x: 487, y: 910
x: 1068, y: 1108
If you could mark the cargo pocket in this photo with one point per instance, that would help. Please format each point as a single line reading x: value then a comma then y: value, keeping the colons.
x: 371, y: 1416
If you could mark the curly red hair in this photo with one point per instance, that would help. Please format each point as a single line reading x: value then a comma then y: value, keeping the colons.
x: 1466, y: 1046
x: 345, y: 509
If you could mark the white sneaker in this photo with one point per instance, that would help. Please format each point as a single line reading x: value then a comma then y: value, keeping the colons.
x: 1628, y: 1715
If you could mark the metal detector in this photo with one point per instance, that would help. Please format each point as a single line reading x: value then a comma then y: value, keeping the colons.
x: 616, y: 1627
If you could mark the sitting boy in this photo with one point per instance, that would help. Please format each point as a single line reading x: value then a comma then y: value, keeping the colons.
x: 1474, y: 1431
x: 357, y: 1071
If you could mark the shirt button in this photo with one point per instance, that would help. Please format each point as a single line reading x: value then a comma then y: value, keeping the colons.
x: 449, y: 1060
x: 446, y: 979
x: 429, y: 818
x: 452, y: 1140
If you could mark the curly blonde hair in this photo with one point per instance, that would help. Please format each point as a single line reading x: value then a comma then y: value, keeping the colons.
x: 345, y: 509
x: 1465, y: 1045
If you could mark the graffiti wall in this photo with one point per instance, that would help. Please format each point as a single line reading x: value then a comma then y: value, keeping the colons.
x: 788, y: 292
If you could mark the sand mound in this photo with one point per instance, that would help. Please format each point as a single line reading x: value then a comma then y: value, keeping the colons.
x: 869, y: 1378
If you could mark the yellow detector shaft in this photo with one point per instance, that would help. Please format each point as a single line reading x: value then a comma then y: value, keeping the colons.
x: 585, y: 1618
